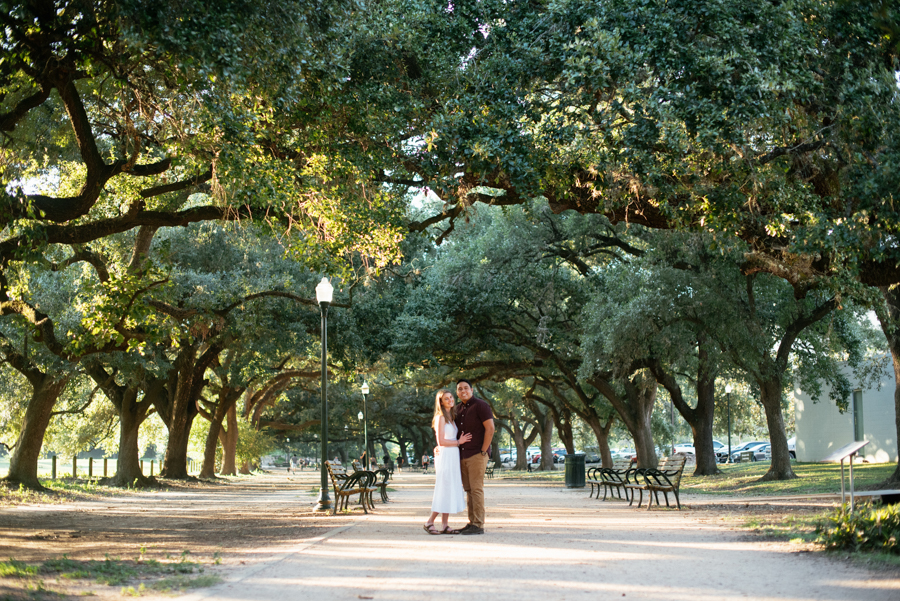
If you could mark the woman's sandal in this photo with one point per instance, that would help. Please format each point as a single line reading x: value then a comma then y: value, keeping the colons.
x: 430, y: 529
x: 449, y: 530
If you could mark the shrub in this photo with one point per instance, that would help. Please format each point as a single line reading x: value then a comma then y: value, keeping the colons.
x: 871, y: 528
x: 253, y: 444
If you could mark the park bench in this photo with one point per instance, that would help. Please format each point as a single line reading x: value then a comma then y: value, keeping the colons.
x: 664, y: 479
x: 610, y: 478
x: 381, y: 481
x: 592, y: 477
x: 346, y: 485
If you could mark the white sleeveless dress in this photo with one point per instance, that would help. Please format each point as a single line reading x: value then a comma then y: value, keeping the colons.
x: 448, y: 489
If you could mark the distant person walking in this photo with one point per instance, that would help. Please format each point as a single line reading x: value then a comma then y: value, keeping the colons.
x: 475, y: 418
x: 425, y: 463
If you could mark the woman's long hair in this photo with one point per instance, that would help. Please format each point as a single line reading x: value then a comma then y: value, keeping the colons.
x: 450, y: 415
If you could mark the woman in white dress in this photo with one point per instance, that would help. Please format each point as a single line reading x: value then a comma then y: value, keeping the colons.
x: 448, y: 489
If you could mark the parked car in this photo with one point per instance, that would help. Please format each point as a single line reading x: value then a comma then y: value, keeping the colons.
x: 791, y: 449
x: 559, y: 456
x: 629, y: 454
x: 759, y: 453
x: 722, y: 455
x: 684, y: 447
x: 688, y: 447
x: 591, y: 458
x: 753, y: 447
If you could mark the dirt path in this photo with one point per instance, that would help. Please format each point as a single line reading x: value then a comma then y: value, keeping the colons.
x: 543, y: 542
x: 546, y: 543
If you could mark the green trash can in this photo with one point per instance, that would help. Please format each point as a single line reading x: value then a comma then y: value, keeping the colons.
x: 575, y: 470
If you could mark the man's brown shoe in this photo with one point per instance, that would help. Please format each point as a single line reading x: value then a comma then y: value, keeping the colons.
x: 473, y: 530
x: 466, y: 527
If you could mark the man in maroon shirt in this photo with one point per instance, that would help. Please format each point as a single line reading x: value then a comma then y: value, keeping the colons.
x: 475, y: 417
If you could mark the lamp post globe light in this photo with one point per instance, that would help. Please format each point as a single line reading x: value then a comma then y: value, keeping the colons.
x: 728, y: 399
x: 364, y: 415
x: 324, y: 295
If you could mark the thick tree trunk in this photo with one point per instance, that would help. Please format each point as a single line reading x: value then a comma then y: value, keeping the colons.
x: 521, y: 451
x: 128, y: 465
x: 700, y: 418
x: 176, y: 457
x: 522, y: 442
x: 643, y: 443
x: 563, y: 420
x: 183, y: 411
x: 769, y: 373
x: 208, y: 469
x: 23, y: 463
x: 701, y: 422
x: 770, y: 396
x: 601, y: 432
x: 132, y: 414
x: 635, y: 410
x: 228, y: 436
x: 419, y: 444
x: 889, y: 316
x: 545, y: 431
x: 227, y: 399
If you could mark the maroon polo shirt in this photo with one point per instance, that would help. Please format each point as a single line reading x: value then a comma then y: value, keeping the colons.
x: 470, y: 417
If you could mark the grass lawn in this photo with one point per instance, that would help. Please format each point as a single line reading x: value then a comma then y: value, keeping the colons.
x: 813, y: 478
x: 167, y: 577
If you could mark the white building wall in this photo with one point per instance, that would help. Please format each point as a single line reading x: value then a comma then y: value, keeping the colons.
x: 821, y: 428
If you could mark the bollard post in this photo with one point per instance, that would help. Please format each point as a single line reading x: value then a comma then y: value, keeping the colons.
x: 90, y: 467
x: 105, y: 460
x: 152, y: 461
x: 142, y: 467
x: 53, y: 468
x: 75, y: 466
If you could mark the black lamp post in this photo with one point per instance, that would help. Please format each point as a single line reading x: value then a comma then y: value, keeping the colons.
x: 728, y: 399
x: 324, y: 294
x: 364, y: 416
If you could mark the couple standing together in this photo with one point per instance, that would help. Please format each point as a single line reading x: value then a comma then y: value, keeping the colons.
x: 464, y: 437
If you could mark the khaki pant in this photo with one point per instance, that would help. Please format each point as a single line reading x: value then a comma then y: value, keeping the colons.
x: 473, y: 482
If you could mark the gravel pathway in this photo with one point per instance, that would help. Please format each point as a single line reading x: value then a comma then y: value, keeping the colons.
x: 544, y: 542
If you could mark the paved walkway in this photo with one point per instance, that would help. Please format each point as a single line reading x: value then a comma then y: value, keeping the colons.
x: 544, y: 543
